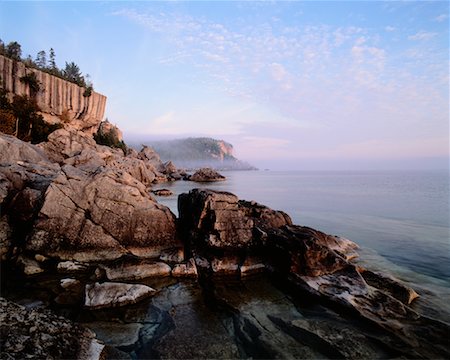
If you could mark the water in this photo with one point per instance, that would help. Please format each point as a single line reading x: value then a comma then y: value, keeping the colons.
x: 400, y: 219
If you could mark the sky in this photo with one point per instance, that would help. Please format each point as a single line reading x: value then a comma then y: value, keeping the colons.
x: 356, y: 85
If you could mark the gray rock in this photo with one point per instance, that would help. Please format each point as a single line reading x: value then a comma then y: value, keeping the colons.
x: 36, y: 333
x: 142, y: 270
x: 115, y: 294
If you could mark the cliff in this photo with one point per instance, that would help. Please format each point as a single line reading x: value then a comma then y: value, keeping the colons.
x: 199, y: 152
x: 58, y: 99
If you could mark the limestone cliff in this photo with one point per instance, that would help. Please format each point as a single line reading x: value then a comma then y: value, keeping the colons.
x: 57, y: 99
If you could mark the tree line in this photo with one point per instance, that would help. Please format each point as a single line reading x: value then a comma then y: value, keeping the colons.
x: 47, y: 63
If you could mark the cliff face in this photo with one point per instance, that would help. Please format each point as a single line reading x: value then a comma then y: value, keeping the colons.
x: 198, y: 152
x: 57, y: 98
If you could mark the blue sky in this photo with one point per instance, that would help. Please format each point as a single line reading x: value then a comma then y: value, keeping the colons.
x: 302, y: 85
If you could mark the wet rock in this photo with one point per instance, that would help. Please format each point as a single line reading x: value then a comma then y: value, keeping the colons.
x: 389, y: 285
x: 252, y: 265
x: 41, y: 334
x: 174, y: 255
x: 188, y: 269
x: 205, y: 175
x: 302, y: 251
x: 115, y: 294
x: 228, y: 265
x: 72, y: 294
x: 67, y: 267
x: 162, y: 192
x: 29, y: 266
x: 116, y: 334
x: 127, y: 271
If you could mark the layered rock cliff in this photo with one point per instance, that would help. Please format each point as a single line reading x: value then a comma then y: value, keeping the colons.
x: 59, y: 100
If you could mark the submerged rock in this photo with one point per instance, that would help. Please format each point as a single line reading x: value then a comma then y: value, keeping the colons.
x: 115, y: 294
x: 162, y: 192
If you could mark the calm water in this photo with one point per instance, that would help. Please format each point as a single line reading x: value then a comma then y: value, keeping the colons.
x: 400, y: 219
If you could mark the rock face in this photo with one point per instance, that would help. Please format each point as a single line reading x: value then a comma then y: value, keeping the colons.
x: 314, y: 262
x: 40, y: 334
x: 219, y: 220
x: 205, y: 175
x: 59, y: 97
x: 115, y: 294
x: 100, y: 216
x: 95, y: 207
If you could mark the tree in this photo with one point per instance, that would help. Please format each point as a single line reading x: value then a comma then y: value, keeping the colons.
x: 2, y: 47
x: 52, y: 62
x: 41, y: 59
x: 72, y: 73
x: 14, y: 50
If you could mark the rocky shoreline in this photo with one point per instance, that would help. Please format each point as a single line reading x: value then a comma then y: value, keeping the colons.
x: 80, y: 226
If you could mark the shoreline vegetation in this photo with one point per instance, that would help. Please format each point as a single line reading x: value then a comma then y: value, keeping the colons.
x: 82, y: 235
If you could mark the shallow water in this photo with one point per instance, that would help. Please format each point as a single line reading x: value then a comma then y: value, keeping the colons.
x: 400, y: 218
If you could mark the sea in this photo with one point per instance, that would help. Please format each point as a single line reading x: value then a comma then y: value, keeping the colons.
x: 400, y: 219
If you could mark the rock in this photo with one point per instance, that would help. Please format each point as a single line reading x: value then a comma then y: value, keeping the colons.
x: 29, y: 266
x: 66, y: 267
x: 206, y: 175
x: 5, y: 238
x: 389, y: 285
x: 126, y: 271
x: 68, y: 284
x: 149, y: 155
x: 106, y: 128
x: 13, y: 150
x: 228, y: 265
x: 252, y: 265
x: 67, y: 143
x: 115, y: 294
x: 188, y: 269
x: 115, y: 334
x: 60, y: 100
x: 100, y: 216
x: 40, y: 334
x: 264, y: 217
x: 214, y: 219
x: 169, y: 168
x: 302, y: 251
x: 40, y: 258
x: 162, y: 192
x: 174, y: 255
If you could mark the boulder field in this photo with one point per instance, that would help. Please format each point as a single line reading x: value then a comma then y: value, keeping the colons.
x: 85, y: 213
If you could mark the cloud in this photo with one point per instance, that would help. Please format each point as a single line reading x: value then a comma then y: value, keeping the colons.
x: 441, y: 18
x: 342, y: 82
x: 422, y: 35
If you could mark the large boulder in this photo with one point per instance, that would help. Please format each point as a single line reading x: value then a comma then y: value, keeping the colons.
x: 218, y: 220
x: 100, y: 216
x: 113, y: 294
x: 214, y: 219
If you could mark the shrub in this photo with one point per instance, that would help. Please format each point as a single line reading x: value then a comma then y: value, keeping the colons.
x: 110, y: 139
x: 7, y: 122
